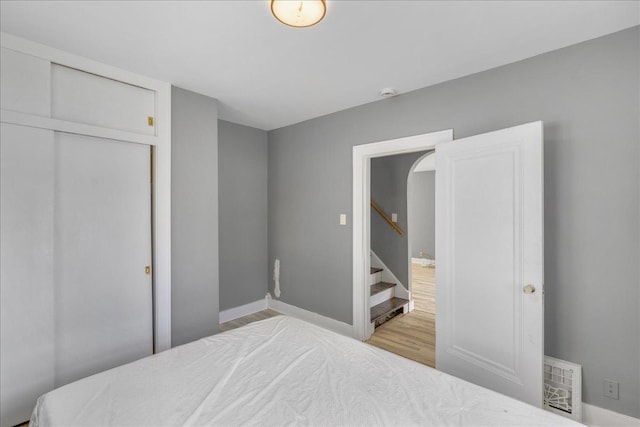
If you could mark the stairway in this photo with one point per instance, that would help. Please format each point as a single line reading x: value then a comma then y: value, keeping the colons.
x: 382, y: 300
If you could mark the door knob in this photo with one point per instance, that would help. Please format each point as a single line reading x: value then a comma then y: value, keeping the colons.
x: 529, y: 289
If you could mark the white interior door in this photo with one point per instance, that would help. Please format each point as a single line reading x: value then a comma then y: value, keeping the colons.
x: 102, y: 243
x: 489, y: 222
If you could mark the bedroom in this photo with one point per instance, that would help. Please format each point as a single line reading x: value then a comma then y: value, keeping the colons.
x: 273, y: 185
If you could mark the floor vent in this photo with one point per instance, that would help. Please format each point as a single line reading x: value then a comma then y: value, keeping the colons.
x: 563, y: 388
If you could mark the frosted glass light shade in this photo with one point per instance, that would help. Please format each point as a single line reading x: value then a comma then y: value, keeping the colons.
x: 296, y: 13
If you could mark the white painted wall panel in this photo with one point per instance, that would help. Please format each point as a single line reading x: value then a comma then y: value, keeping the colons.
x: 83, y: 97
x: 25, y: 83
x: 26, y: 276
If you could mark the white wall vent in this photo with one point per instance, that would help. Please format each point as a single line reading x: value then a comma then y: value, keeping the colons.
x: 563, y: 388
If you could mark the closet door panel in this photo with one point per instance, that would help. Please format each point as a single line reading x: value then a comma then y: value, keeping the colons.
x: 102, y: 243
x: 25, y: 83
x: 82, y: 97
x: 26, y: 273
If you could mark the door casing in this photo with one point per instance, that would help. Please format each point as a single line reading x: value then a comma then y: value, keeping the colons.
x: 362, y: 155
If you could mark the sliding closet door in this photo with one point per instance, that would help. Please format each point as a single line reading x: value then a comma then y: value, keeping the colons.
x: 26, y: 276
x: 102, y: 241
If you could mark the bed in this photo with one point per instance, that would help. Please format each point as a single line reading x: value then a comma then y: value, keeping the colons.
x: 280, y: 371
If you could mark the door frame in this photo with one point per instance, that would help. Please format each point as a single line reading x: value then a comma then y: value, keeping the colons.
x: 362, y: 155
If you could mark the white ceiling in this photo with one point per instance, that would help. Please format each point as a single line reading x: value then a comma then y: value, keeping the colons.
x: 268, y: 75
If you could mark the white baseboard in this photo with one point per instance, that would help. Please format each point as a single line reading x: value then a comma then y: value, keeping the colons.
x: 595, y: 416
x: 243, y: 310
x: 311, y: 317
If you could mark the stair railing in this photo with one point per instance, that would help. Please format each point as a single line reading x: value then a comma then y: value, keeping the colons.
x: 386, y: 218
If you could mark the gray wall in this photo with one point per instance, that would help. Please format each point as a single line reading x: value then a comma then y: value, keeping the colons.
x: 242, y: 173
x: 194, y: 216
x: 587, y: 95
x: 389, y: 177
x: 422, y: 208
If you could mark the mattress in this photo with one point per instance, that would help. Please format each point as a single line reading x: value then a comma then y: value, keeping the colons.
x: 280, y: 371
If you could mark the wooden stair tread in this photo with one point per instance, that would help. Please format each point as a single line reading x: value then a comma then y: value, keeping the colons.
x: 376, y: 288
x: 375, y: 270
x: 387, y: 307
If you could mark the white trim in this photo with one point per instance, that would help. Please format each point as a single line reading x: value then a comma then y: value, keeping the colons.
x: 161, y: 157
x: 162, y: 220
x: 362, y: 155
x: 595, y: 416
x: 242, y: 310
x: 23, y: 119
x: 426, y: 164
x: 311, y: 317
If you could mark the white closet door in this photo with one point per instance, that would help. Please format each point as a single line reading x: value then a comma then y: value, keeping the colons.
x: 102, y: 245
x: 26, y: 273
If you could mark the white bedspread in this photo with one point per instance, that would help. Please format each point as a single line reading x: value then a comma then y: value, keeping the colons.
x: 277, y: 372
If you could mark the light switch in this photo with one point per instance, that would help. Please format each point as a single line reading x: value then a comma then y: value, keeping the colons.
x: 343, y: 219
x: 394, y: 217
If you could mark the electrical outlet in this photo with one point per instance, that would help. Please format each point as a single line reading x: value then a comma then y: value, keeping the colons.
x: 611, y: 389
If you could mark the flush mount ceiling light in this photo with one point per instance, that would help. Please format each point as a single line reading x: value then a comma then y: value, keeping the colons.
x: 295, y: 13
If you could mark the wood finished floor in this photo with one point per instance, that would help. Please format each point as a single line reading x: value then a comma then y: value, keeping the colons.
x: 250, y: 318
x: 424, y: 288
x: 413, y: 335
